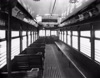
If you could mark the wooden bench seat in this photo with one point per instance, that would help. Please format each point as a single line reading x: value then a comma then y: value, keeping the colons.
x: 86, y: 66
x: 27, y: 61
x: 35, y: 51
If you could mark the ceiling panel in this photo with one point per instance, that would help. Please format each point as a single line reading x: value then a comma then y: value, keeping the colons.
x: 62, y: 8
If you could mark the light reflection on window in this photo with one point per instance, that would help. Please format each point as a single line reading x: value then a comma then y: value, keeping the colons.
x: 42, y: 33
x: 15, y: 47
x: 54, y: 33
x: 2, y: 34
x: 85, y: 33
x: 65, y: 36
x: 75, y: 42
x: 15, y: 33
x: 97, y: 34
x: 2, y: 53
x: 24, y: 43
x: 85, y: 46
x: 75, y: 33
x: 24, y: 33
x: 97, y: 50
x: 29, y: 40
x: 69, y: 40
x: 47, y: 32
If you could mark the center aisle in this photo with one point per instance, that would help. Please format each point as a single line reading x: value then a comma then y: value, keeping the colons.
x: 56, y: 65
x: 51, y: 65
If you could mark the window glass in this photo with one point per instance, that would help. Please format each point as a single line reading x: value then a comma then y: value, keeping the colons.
x: 29, y: 40
x: 60, y: 35
x: 42, y: 33
x: 2, y: 34
x: 97, y: 34
x: 47, y: 32
x: 15, y: 47
x: 69, y: 33
x: 54, y: 33
x: 24, y: 33
x: 75, y: 33
x: 15, y: 33
x: 2, y: 53
x: 75, y: 42
x: 28, y: 32
x: 32, y: 37
x: 24, y: 43
x: 85, y: 33
x: 65, y: 36
x: 69, y: 40
x: 97, y: 50
x: 85, y: 46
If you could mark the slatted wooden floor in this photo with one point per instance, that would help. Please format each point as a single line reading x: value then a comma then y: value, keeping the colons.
x: 56, y: 65
x: 51, y: 66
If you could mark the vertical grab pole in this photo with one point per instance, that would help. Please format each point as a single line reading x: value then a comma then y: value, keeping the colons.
x: 9, y: 41
x: 21, y: 38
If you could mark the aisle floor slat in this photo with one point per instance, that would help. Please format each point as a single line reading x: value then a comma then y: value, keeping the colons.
x: 56, y: 65
x: 51, y: 66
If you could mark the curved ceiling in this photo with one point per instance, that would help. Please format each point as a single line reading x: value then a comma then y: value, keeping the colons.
x: 53, y: 8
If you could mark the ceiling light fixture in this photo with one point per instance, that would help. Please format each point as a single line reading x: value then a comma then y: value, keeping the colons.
x: 73, y: 1
x: 36, y: 0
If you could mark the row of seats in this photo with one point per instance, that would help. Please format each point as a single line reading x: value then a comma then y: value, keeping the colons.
x: 31, y: 58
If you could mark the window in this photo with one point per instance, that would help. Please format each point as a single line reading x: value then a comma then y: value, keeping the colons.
x: 75, y: 42
x: 2, y: 34
x: 65, y: 36
x: 60, y: 35
x: 2, y: 53
x: 47, y: 32
x: 85, y: 33
x: 15, y: 33
x: 24, y: 43
x: 29, y: 39
x: 15, y: 47
x: 42, y: 33
x: 75, y: 33
x: 24, y: 33
x: 97, y: 45
x: 32, y: 37
x: 97, y: 50
x: 28, y: 32
x: 85, y: 46
x: 69, y: 40
x: 97, y: 34
x: 75, y: 39
x: 54, y: 33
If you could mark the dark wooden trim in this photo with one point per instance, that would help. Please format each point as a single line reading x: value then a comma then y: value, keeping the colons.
x: 92, y: 43
x: 9, y: 41
x: 21, y: 46
x: 27, y: 38
x: 31, y: 36
x: 79, y: 40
